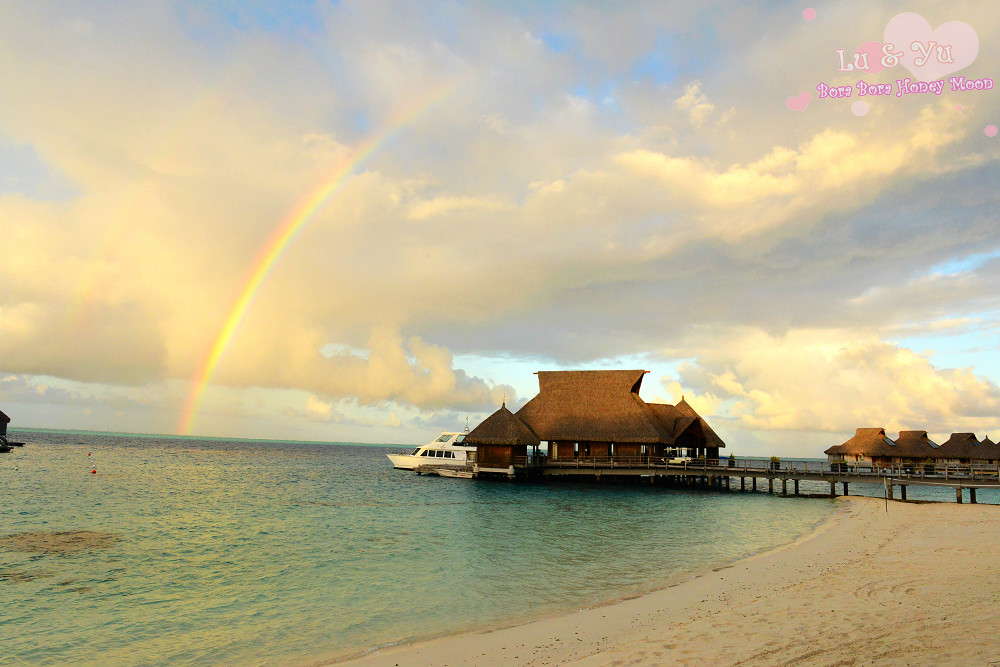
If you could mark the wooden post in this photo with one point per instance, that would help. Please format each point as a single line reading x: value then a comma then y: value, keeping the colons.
x: 743, y: 483
x: 727, y: 482
x: 958, y: 495
x: 784, y: 487
x: 889, y: 486
x: 754, y: 483
x: 796, y: 487
x: 845, y: 488
x: 972, y: 495
x: 833, y: 489
x: 770, y: 485
x: 902, y: 491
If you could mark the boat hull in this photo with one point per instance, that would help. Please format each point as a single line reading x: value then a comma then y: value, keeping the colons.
x: 408, y: 462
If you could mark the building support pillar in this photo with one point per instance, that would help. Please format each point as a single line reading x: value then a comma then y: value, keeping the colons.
x: 845, y: 489
x: 902, y: 491
x: 958, y: 495
x: 784, y: 487
x: 770, y: 485
x: 796, y: 487
x: 754, y: 483
x: 972, y: 496
x: 833, y: 489
x: 743, y: 483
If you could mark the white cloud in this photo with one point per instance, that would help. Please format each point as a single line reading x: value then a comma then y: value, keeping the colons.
x: 833, y: 381
x: 517, y: 216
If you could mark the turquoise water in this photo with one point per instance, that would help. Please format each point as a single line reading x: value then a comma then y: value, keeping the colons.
x: 260, y: 553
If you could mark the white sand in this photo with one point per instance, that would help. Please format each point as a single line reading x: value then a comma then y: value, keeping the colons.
x: 919, y: 585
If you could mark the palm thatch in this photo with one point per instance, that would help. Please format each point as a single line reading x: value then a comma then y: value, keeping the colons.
x: 4, y: 420
x: 915, y: 445
x: 502, y: 428
x: 868, y: 442
x: 989, y: 450
x: 959, y: 446
x: 592, y: 406
x: 682, y: 420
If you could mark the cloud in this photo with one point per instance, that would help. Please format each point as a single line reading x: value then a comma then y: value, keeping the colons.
x: 520, y: 216
x: 694, y: 103
x: 833, y: 381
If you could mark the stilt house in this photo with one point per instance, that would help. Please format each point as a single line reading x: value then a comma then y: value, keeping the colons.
x: 501, y: 440
x: 959, y: 448
x: 598, y: 414
x: 871, y: 445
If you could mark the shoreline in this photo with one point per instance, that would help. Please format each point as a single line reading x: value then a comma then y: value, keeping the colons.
x: 864, y: 586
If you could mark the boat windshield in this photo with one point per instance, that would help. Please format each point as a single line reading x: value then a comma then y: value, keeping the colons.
x: 459, y: 439
x: 414, y: 452
x: 444, y: 437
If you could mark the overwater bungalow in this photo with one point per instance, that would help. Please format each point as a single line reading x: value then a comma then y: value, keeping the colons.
x: 872, y: 445
x: 588, y: 415
x: 960, y: 448
x: 501, y: 440
x: 989, y: 451
x: 869, y: 445
x: 4, y: 420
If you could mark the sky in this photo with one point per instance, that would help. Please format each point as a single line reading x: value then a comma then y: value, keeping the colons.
x: 372, y: 221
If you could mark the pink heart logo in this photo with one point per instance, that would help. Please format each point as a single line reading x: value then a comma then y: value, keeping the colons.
x: 800, y: 102
x: 874, y: 52
x: 931, y: 54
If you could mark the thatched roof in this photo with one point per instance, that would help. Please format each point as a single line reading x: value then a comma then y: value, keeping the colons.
x: 959, y: 446
x: 915, y: 445
x: 682, y: 418
x: 502, y: 428
x: 594, y: 406
x: 4, y: 418
x: 988, y: 449
x: 867, y: 442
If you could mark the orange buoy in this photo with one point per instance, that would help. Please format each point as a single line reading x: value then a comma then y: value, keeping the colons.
x: 94, y: 471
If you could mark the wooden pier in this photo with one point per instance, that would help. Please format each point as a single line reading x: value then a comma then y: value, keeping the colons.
x: 783, y: 477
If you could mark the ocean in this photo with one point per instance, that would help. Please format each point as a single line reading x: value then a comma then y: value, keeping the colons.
x: 182, y: 552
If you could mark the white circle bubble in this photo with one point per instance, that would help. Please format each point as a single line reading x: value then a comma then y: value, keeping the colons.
x: 859, y: 108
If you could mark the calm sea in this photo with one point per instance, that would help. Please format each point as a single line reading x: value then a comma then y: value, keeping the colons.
x: 222, y: 552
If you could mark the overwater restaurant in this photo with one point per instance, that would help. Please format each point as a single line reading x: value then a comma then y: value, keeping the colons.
x: 592, y: 415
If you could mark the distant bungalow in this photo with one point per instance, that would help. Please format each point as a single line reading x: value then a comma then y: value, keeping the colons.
x: 591, y: 415
x: 872, y: 445
x: 4, y: 420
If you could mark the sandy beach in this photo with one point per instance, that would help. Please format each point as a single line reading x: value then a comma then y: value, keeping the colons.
x: 918, y: 584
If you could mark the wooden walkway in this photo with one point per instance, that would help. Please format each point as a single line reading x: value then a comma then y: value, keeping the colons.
x: 723, y: 473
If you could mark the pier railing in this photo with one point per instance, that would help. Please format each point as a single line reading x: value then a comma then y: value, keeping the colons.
x: 975, y: 471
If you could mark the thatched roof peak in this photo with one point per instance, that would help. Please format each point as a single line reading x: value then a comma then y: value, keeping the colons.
x: 959, y: 446
x: 4, y: 418
x: 595, y: 406
x: 866, y: 441
x: 502, y: 428
x: 915, y: 445
x: 682, y: 418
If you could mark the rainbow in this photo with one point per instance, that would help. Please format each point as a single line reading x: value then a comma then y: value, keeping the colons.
x: 289, y: 229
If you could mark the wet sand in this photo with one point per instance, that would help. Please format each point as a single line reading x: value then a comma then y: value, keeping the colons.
x: 917, y: 585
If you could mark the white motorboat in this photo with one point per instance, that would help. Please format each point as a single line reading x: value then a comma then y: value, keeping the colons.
x: 446, y: 451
